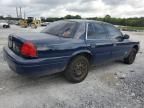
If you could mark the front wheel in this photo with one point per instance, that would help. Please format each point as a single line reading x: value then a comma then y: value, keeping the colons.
x: 4, y: 26
x: 131, y: 57
x: 77, y: 70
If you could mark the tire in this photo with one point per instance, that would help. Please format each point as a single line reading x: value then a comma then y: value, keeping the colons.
x: 77, y: 70
x: 131, y: 57
x: 33, y: 26
x: 8, y: 26
x: 4, y: 26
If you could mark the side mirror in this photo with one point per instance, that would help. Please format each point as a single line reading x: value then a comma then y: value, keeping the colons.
x: 126, y: 36
x: 120, y: 38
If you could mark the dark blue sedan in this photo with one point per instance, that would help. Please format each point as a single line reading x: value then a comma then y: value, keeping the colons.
x: 68, y: 46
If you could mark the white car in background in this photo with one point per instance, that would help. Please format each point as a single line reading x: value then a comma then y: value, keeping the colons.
x: 4, y: 25
x: 45, y: 23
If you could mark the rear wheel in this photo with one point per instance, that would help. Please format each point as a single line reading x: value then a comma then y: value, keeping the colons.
x: 131, y: 57
x: 77, y: 70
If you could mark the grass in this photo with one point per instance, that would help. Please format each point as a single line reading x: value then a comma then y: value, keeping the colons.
x: 129, y: 28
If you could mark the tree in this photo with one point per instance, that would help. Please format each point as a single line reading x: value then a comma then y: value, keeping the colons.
x: 1, y: 17
x: 68, y: 17
x: 77, y: 17
x: 42, y: 19
x: 72, y: 17
x: 107, y: 18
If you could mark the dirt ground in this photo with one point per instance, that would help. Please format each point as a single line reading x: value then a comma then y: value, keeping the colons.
x: 111, y: 85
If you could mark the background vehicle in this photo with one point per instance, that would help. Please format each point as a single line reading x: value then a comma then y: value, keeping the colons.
x: 30, y: 22
x: 45, y: 23
x: 70, y: 46
x: 4, y: 24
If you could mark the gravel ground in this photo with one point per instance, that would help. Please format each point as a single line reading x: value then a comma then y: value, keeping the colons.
x: 111, y: 85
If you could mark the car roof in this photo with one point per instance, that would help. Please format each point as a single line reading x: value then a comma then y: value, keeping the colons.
x: 86, y: 21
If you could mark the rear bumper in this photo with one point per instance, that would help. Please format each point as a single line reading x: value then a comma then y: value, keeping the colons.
x: 34, y: 67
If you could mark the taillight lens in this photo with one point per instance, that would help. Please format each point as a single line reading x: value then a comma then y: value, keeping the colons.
x: 28, y: 49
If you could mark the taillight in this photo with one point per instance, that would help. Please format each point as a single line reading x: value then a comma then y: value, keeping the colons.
x: 28, y: 49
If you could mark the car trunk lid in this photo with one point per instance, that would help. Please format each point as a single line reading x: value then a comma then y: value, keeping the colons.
x: 15, y: 41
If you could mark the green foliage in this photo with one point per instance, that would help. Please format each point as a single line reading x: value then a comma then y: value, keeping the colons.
x: 134, y: 22
x: 130, y: 28
x: 51, y: 19
x: 1, y: 17
x: 72, y: 17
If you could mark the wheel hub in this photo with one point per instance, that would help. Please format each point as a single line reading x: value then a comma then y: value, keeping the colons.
x: 79, y: 69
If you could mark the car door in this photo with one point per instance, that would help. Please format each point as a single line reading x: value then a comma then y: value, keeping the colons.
x: 120, y: 45
x: 98, y: 42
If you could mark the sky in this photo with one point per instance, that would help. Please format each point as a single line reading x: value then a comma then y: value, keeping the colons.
x: 85, y: 8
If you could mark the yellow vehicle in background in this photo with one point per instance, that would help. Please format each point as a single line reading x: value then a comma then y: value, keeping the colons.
x: 30, y: 22
x: 23, y: 23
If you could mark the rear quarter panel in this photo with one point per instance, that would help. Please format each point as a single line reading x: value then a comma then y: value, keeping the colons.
x: 62, y: 48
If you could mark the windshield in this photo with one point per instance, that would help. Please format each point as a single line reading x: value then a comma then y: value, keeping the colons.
x: 61, y: 28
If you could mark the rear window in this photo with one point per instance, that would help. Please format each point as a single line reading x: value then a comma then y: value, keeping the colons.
x: 61, y: 28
